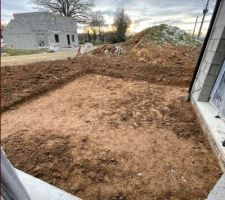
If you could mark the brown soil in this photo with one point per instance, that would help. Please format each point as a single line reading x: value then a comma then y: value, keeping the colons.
x: 140, y: 48
x: 142, y: 59
x: 19, y: 83
x: 157, y: 54
x: 105, y: 138
x: 23, y: 82
x: 126, y: 135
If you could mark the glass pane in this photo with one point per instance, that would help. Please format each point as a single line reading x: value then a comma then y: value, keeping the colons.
x: 219, y: 97
x: 223, y: 111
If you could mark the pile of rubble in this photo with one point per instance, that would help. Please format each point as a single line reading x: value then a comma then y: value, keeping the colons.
x: 109, y: 50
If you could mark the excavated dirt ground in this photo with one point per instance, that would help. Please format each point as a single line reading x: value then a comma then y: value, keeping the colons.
x: 110, y: 127
x: 100, y: 137
x: 22, y: 83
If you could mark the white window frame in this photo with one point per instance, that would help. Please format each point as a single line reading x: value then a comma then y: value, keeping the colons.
x: 219, y: 78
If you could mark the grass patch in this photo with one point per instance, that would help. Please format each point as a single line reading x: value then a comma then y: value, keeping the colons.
x: 16, y: 52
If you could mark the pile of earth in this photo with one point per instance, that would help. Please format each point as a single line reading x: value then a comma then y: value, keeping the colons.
x: 163, y: 45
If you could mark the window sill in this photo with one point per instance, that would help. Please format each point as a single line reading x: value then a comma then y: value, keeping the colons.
x: 38, y: 189
x: 213, y: 127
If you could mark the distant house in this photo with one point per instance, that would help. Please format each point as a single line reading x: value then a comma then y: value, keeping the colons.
x: 40, y: 30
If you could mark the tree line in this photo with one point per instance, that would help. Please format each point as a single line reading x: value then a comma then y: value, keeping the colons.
x: 95, y: 23
x: 96, y: 28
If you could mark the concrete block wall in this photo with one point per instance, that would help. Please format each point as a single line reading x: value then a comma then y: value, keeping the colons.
x: 29, y: 30
x: 22, y: 41
x: 62, y: 38
x: 212, y: 60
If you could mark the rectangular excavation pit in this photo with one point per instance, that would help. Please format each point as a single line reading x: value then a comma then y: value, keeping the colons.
x: 100, y: 137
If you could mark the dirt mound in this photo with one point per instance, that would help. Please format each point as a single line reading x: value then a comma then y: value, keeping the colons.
x: 156, y: 35
x: 165, y: 54
x: 125, y: 46
x: 162, y: 45
x: 161, y: 54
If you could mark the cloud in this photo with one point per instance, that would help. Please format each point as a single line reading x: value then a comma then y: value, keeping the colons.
x: 9, y: 7
x: 143, y: 13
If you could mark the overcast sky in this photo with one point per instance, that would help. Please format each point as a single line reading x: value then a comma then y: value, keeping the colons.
x: 143, y: 13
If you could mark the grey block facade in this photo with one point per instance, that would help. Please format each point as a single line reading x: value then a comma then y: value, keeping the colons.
x: 40, y: 30
x: 212, y: 60
x: 208, y: 95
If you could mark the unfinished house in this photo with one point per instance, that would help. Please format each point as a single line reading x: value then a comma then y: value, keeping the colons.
x: 40, y: 30
x: 207, y: 90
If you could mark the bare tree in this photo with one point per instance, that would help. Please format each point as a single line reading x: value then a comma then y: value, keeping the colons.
x: 121, y: 23
x: 97, y: 22
x: 79, y: 9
